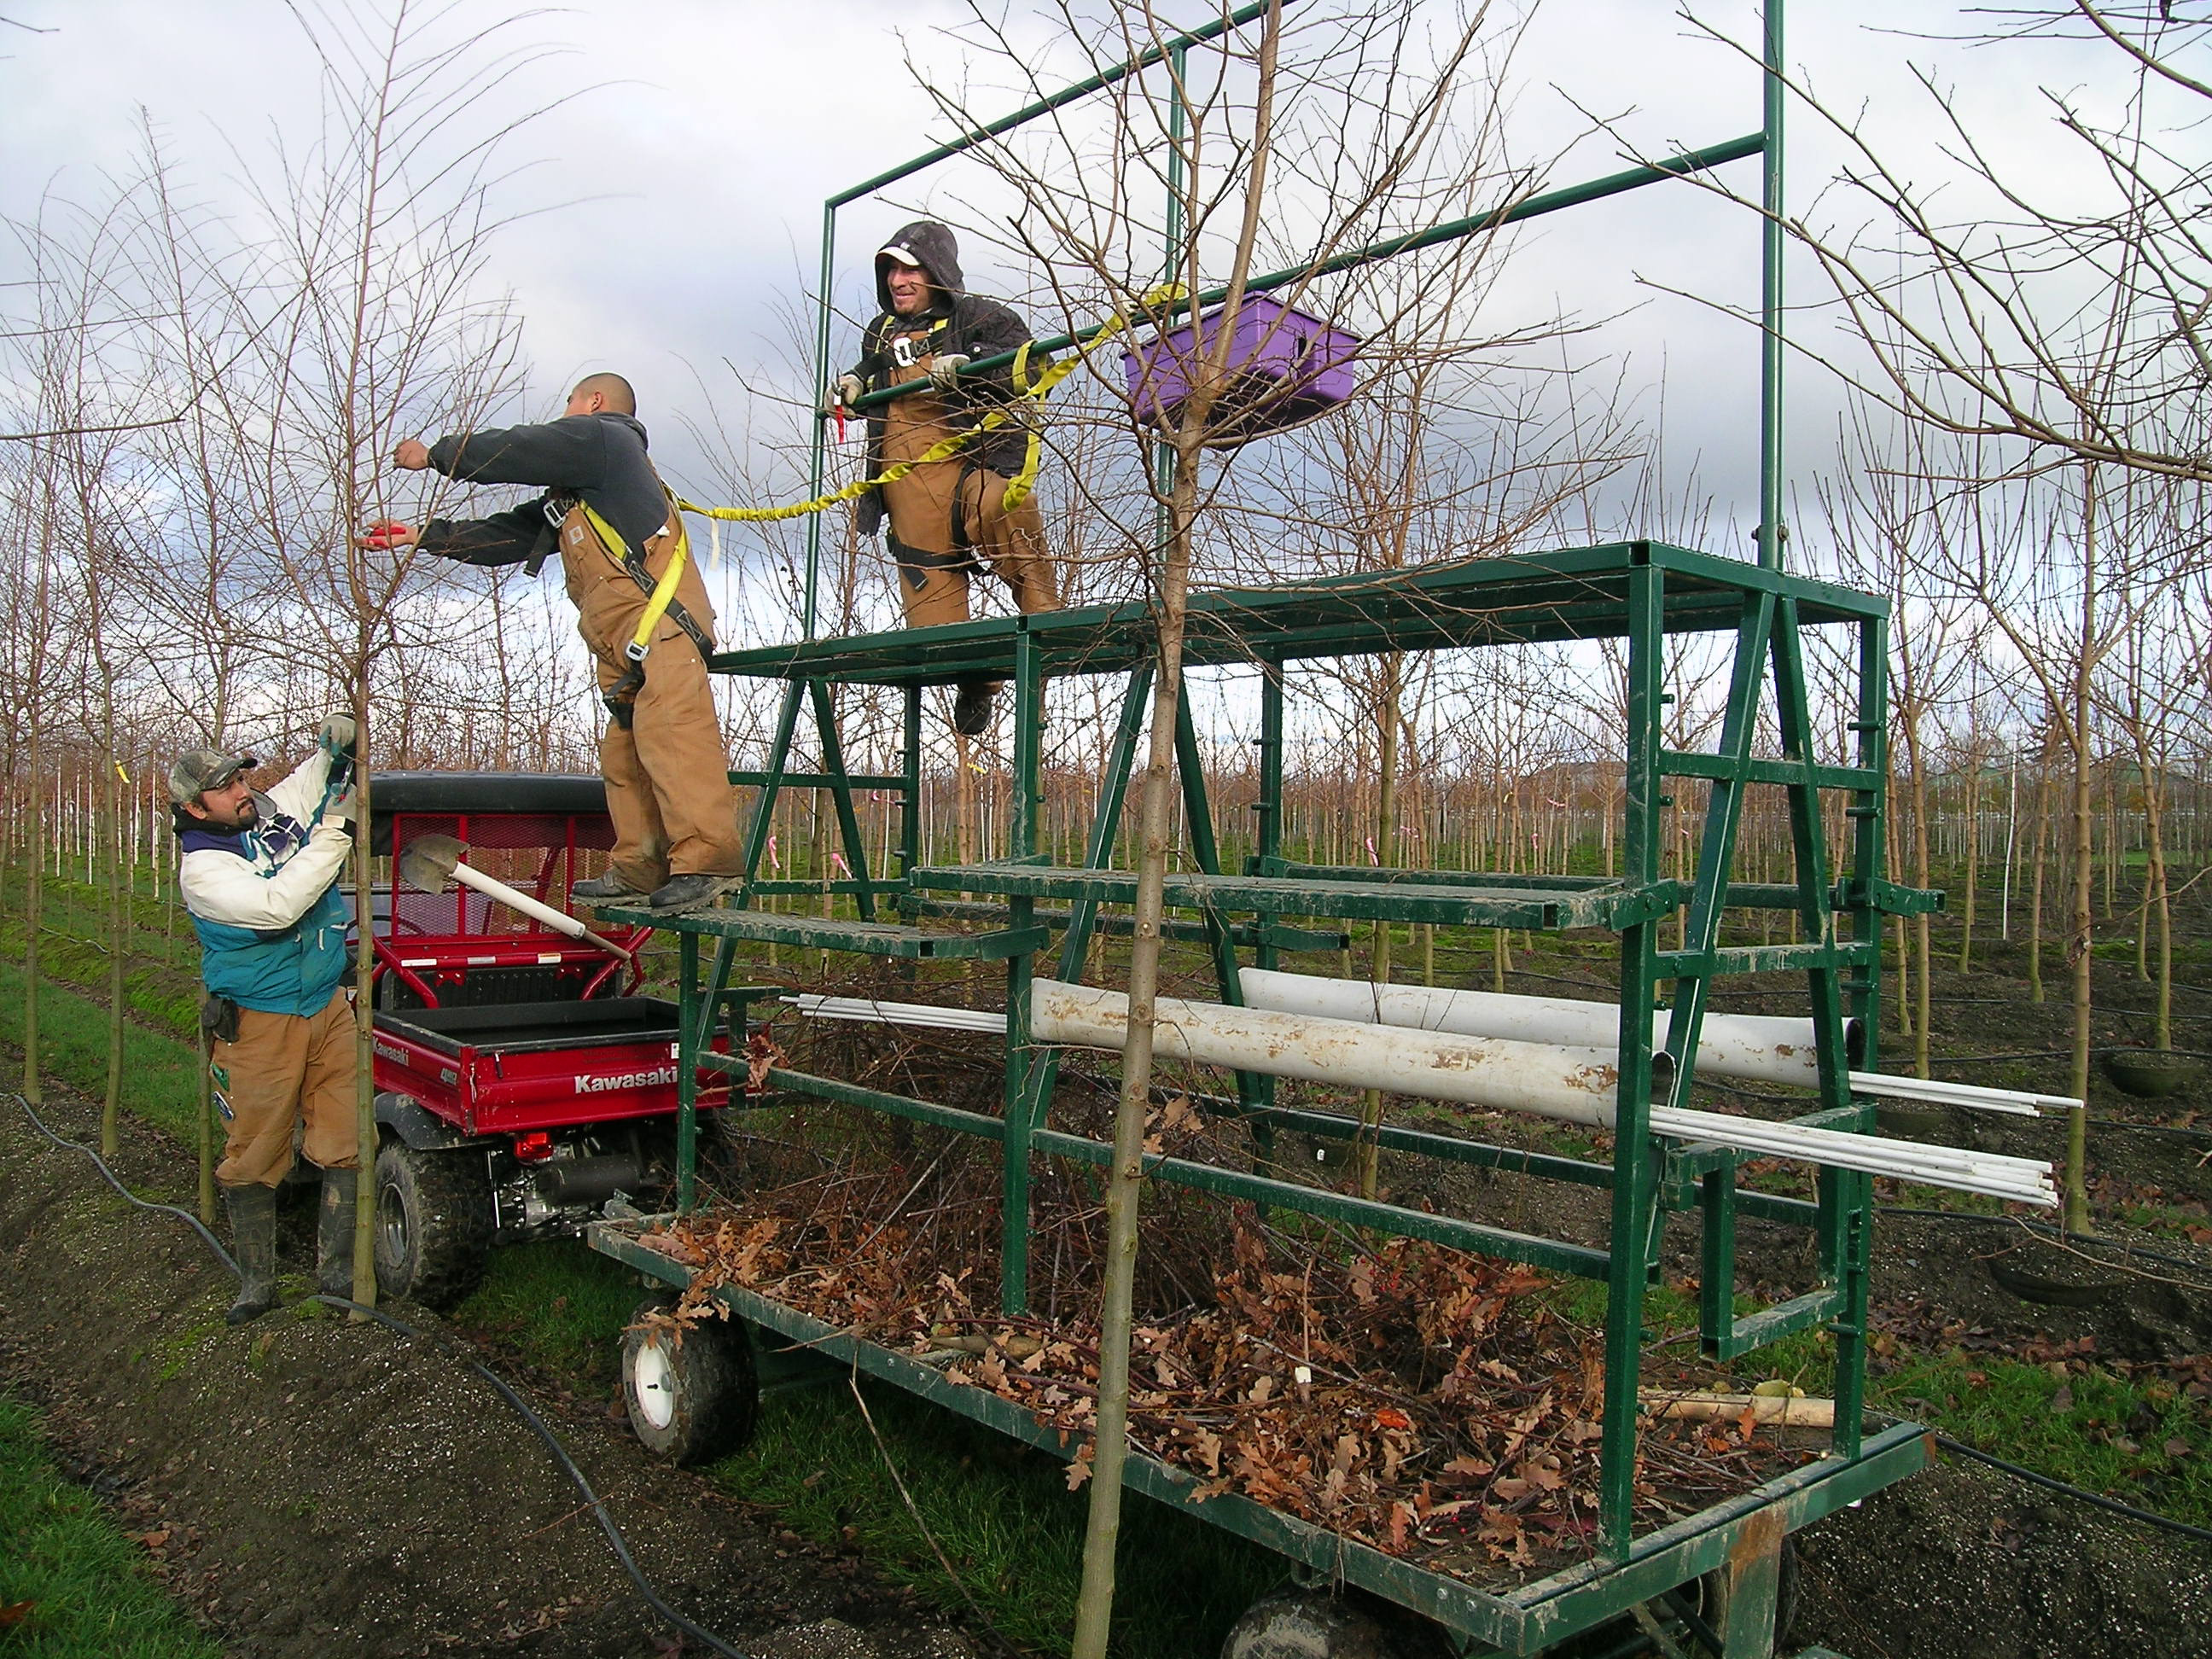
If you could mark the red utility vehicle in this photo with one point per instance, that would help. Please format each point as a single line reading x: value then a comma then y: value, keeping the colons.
x: 521, y: 1082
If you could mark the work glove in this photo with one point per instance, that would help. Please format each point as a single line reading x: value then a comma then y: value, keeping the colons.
x: 337, y: 735
x: 945, y: 369
x: 848, y: 391
x: 340, y: 810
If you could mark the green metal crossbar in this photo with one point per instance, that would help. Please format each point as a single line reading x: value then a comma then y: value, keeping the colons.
x: 1444, y: 904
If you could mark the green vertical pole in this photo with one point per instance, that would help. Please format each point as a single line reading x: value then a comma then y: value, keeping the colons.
x: 1633, y: 1181
x: 779, y: 762
x: 688, y: 1023
x: 1724, y: 805
x: 1267, y: 859
x: 1026, y: 1113
x: 1845, y: 1196
x: 824, y: 315
x: 1206, y: 852
x: 841, y: 795
x: 909, y: 810
x: 1268, y: 810
x: 1023, y: 1101
x: 1870, y: 851
x: 1769, y: 298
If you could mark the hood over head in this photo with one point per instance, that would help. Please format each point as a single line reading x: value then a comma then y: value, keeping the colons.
x: 929, y: 245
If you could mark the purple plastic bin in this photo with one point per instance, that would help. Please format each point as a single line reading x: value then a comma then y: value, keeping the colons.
x: 1285, y: 367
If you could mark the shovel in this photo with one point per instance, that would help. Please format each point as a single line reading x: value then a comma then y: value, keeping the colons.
x: 431, y: 861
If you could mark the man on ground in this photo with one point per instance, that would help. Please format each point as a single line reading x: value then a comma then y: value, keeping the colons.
x: 947, y: 518
x: 618, y: 528
x: 258, y: 875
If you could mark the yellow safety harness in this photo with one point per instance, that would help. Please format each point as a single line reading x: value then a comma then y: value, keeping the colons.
x: 1019, y: 485
x: 660, y: 599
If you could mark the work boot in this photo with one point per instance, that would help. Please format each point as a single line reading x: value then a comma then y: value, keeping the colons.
x: 254, y: 1243
x: 971, y: 709
x: 681, y: 893
x: 612, y: 888
x: 334, y: 1232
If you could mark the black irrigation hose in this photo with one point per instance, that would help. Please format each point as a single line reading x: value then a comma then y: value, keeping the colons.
x: 567, y: 1464
x: 2148, y: 1517
x: 2046, y: 1230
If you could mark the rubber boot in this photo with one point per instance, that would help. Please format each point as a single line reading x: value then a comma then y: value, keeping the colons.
x: 253, y: 1242
x: 334, y: 1232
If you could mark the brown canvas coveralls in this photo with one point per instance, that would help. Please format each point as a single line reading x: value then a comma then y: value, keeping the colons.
x: 281, y: 1068
x: 667, y: 777
x: 933, y: 587
x: 668, y: 788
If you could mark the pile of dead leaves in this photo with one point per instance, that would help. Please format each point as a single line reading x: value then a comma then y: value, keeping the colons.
x: 1430, y: 1403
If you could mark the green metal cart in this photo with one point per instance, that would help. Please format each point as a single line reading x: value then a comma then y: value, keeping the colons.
x: 1639, y: 592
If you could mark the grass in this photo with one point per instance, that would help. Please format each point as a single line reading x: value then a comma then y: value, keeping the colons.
x: 2141, y: 1439
x: 558, y: 1306
x: 72, y: 1586
x: 1000, y: 1512
x: 162, y: 1075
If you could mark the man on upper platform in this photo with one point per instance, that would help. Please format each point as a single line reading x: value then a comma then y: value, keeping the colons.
x: 618, y: 528
x: 947, y: 518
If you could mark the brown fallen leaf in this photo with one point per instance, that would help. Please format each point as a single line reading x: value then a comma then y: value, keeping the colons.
x: 14, y: 1614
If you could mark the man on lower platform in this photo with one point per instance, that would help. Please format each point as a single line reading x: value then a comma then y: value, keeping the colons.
x: 618, y: 530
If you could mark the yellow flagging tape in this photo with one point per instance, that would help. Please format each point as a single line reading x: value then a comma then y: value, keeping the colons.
x: 1017, y: 487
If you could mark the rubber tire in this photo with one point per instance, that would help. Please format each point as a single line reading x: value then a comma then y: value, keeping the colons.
x: 432, y: 1226
x: 694, y: 1401
x: 1294, y: 1622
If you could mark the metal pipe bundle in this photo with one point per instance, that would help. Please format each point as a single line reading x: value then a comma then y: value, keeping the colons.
x: 1746, y: 1048
x: 1572, y: 1083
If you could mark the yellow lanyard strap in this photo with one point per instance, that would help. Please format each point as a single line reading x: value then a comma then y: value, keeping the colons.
x: 1017, y: 487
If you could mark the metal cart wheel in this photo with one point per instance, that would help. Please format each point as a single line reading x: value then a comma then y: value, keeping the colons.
x: 1296, y: 1623
x: 692, y: 1400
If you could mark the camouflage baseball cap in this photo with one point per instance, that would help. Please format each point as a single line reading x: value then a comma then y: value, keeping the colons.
x: 198, y: 770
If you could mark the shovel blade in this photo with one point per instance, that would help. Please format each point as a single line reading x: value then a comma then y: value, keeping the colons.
x: 428, y: 862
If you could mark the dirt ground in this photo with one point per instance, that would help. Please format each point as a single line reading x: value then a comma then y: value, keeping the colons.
x: 306, y: 1486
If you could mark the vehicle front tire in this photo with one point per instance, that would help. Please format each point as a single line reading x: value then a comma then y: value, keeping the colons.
x: 694, y: 1400
x: 434, y: 1222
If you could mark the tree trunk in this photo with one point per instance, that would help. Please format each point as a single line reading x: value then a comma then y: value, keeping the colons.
x: 1386, y: 844
x: 2079, y: 952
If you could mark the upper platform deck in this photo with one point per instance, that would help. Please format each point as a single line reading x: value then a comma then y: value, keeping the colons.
x: 1569, y: 594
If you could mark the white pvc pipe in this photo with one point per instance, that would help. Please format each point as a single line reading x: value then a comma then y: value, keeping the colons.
x: 1420, y: 1063
x: 1747, y: 1048
x: 557, y: 921
x: 1578, y: 1084
x: 1760, y: 1046
x: 1573, y: 1083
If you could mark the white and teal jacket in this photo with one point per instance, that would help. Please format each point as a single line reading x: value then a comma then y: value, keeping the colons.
x: 265, y: 901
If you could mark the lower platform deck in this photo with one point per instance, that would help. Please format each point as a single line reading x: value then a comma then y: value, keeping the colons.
x: 1472, y: 1598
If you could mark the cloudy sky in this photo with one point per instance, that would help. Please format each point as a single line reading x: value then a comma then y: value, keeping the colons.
x: 673, y: 203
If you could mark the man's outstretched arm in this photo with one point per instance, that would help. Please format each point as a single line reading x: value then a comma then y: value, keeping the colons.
x: 564, y: 454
